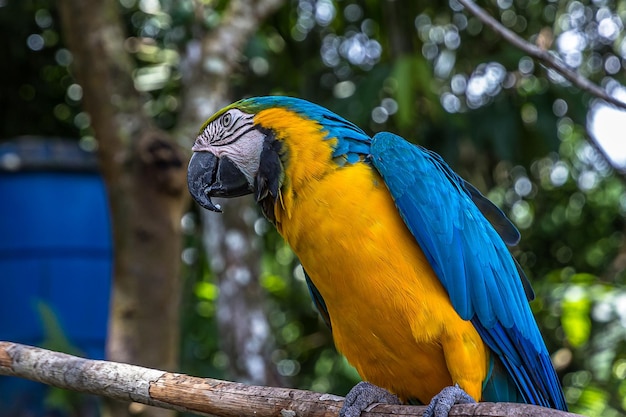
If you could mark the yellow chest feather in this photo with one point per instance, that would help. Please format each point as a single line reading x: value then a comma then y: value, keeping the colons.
x: 390, y: 315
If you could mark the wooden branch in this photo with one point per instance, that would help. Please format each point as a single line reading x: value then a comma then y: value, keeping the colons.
x: 206, y: 396
x: 544, y: 56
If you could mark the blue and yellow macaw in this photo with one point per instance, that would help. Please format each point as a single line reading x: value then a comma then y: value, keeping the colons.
x: 407, y: 263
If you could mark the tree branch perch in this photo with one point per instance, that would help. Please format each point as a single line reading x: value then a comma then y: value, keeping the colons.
x: 206, y: 396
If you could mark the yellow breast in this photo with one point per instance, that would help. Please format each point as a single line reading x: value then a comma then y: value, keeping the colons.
x: 390, y: 315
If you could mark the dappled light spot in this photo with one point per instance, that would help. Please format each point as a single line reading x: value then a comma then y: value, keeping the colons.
x: 606, y: 124
x: 35, y: 42
x: 379, y: 114
x: 559, y: 174
x: 344, y: 89
x: 521, y: 214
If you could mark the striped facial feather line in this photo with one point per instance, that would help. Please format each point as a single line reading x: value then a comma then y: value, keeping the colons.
x: 233, y: 135
x: 225, y: 130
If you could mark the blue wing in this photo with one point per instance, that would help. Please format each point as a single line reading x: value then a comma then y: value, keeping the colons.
x: 318, y: 301
x: 469, y: 255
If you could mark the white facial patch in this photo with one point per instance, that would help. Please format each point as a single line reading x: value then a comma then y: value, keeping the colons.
x: 234, y: 135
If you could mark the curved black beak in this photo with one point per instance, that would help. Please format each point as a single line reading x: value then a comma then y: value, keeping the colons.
x: 209, y: 176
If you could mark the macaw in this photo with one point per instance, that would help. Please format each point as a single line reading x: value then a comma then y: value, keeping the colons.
x: 406, y: 262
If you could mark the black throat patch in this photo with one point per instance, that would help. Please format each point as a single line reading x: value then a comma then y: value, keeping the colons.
x: 270, y: 175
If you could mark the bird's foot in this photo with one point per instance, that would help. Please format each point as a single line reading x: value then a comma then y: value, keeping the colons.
x: 362, y: 395
x: 441, y: 403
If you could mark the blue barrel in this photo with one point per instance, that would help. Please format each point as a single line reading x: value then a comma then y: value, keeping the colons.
x: 55, y: 257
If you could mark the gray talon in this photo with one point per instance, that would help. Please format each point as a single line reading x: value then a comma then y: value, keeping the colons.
x: 441, y: 403
x: 362, y: 395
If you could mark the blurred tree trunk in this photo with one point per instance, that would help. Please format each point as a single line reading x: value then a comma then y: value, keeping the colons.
x: 234, y: 250
x: 393, y: 13
x: 145, y: 172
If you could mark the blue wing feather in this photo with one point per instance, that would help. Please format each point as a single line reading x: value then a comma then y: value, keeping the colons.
x: 464, y: 238
x: 318, y: 301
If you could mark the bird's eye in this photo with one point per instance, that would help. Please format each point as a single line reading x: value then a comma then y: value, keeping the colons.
x: 227, y: 119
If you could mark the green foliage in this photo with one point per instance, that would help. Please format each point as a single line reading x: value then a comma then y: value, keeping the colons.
x: 37, y: 84
x: 571, y: 211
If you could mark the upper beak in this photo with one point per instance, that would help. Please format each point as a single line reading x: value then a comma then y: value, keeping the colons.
x: 209, y: 176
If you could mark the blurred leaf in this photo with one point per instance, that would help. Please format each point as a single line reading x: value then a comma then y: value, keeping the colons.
x: 55, y: 337
x: 575, y: 315
x: 273, y: 283
x: 206, y: 290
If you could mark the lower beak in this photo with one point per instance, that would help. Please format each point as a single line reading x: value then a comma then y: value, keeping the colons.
x: 209, y: 176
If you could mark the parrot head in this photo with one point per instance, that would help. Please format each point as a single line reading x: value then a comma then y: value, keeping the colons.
x: 246, y: 147
x: 226, y: 157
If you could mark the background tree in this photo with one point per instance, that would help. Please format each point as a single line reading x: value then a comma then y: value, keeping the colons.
x: 427, y: 70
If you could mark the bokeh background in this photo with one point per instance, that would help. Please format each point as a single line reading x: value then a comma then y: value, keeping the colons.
x: 127, y: 84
